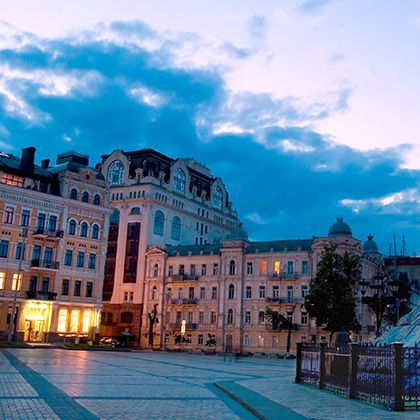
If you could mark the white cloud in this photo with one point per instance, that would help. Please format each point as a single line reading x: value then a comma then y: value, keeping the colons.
x: 255, y: 218
x: 148, y: 97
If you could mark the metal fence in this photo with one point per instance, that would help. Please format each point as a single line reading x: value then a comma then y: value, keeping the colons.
x: 383, y: 375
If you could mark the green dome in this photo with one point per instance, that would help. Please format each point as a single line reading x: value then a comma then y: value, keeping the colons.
x: 238, y: 233
x: 370, y: 246
x: 339, y: 228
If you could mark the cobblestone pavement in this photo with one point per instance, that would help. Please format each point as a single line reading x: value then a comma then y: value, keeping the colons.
x: 52, y: 383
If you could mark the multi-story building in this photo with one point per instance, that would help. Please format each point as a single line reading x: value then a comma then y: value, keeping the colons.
x: 156, y: 200
x: 53, y: 239
x: 222, y: 291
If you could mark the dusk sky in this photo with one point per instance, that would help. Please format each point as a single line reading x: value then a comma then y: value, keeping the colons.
x: 307, y: 110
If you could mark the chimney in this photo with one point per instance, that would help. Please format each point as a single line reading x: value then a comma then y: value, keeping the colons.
x: 45, y: 163
x: 28, y: 158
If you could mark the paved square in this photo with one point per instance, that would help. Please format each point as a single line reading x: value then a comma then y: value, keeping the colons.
x: 52, y: 383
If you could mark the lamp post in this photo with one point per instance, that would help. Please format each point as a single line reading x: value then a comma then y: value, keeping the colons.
x: 166, y: 297
x: 11, y: 331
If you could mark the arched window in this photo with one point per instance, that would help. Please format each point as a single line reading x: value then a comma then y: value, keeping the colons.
x: 156, y: 270
x: 179, y: 180
x: 135, y: 210
x: 231, y: 292
x: 96, y: 200
x: 84, y: 229
x: 218, y: 198
x: 116, y: 173
x: 154, y: 293
x: 95, y: 231
x: 72, y: 227
x: 232, y: 268
x: 176, y: 228
x: 229, y: 318
x: 159, y: 223
x: 73, y: 194
x: 85, y: 197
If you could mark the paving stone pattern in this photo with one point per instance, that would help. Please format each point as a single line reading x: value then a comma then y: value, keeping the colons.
x: 52, y: 383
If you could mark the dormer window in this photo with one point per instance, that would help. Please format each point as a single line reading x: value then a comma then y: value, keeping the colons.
x: 179, y: 181
x: 116, y: 173
x: 218, y: 198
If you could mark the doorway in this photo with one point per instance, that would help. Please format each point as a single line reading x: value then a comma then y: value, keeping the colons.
x: 33, y: 331
x: 228, y: 343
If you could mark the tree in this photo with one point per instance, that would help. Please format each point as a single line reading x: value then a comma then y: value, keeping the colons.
x: 280, y: 322
x: 331, y: 298
x: 211, y: 340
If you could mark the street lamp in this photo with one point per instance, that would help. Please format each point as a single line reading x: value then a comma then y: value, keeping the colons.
x: 167, y: 296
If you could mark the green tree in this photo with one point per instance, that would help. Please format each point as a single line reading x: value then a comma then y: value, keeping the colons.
x: 331, y: 298
x: 280, y: 322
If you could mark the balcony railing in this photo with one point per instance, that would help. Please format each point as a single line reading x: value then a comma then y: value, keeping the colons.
x: 287, y: 276
x: 48, y: 233
x: 183, y: 277
x: 188, y: 326
x: 52, y: 265
x: 41, y: 295
x: 285, y: 300
x: 184, y: 301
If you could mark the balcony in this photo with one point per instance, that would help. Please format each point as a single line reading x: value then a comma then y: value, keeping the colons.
x: 50, y: 265
x: 183, y: 277
x: 285, y: 300
x: 285, y: 276
x: 188, y: 326
x: 41, y: 295
x: 45, y: 233
x: 184, y: 301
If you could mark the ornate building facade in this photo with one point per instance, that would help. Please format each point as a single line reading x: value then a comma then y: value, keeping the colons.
x: 218, y: 293
x: 156, y: 200
x: 53, y: 239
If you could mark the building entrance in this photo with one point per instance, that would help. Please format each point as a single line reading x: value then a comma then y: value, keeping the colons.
x: 33, y: 331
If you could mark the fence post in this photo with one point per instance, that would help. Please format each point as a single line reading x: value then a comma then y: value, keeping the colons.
x: 399, y: 377
x: 298, y: 362
x: 354, y: 356
x: 321, y: 382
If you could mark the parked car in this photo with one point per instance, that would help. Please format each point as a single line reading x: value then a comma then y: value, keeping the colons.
x: 113, y: 342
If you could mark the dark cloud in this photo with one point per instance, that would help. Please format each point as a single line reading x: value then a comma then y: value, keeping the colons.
x: 285, y: 179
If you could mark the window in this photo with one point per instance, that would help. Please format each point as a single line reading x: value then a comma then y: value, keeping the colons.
x: 84, y: 229
x: 201, y: 317
x: 72, y: 227
x: 179, y: 180
x: 289, y: 267
x: 92, y: 261
x: 74, y: 321
x: 89, y: 289
x: 170, y: 270
x: 156, y: 270
x: 247, y: 317
x: 181, y: 270
x: 246, y: 340
x: 263, y: 267
x: 62, y: 320
x: 95, y: 231
x: 96, y: 200
x: 192, y: 269
x: 126, y: 317
x: 202, y: 292
x: 36, y: 252
x: 214, y: 292
x: 68, y: 257
x: 229, y: 318
x: 200, y: 339
x: 73, y: 194
x: 115, y: 173
x: 80, y: 259
x: 215, y: 269
x: 262, y: 292
x: 135, y: 211
x: 274, y: 341
x: 77, y: 287
x: 65, y: 286
x: 17, y: 282
x: 159, y: 223
x: 52, y: 223
x: 249, y: 267
x: 33, y: 281
x: 213, y: 317
x: 304, y: 291
x: 248, y: 292
x: 9, y: 212
x: 85, y: 197
x: 25, y: 218
x: 304, y: 318
x: 289, y: 294
x: 15, y: 181
x: 86, y: 321
x: 304, y: 267
x: 154, y: 293
x: 276, y: 292
x: 45, y: 284
x: 48, y: 254
x: 232, y: 268
x: 176, y: 228
x: 261, y: 317
x: 40, y: 223
x: 218, y: 198
x: 276, y: 267
x: 20, y: 251
x: 2, y: 277
x: 203, y: 269
x: 125, y: 296
x: 130, y: 296
x: 4, y: 248
x: 190, y: 318
x: 231, y: 291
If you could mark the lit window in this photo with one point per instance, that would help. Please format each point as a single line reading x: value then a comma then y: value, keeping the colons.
x: 176, y: 228
x: 17, y: 283
x: 159, y: 223
x: 13, y: 180
x: 218, y: 198
x: 62, y: 320
x: 74, y: 321
x: 276, y: 267
x: 263, y: 267
x: 116, y: 173
x: 179, y: 180
x: 2, y: 277
x: 86, y: 321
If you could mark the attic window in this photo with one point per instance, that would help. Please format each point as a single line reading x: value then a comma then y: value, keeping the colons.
x: 13, y: 180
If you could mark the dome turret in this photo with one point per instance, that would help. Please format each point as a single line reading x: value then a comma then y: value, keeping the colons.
x: 339, y: 228
x: 238, y: 233
x: 370, y: 246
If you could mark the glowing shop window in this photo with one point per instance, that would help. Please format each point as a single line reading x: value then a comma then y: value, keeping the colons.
x: 263, y: 267
x: 86, y: 321
x: 17, y: 284
x: 2, y: 276
x: 62, y: 320
x: 74, y: 321
x: 276, y: 267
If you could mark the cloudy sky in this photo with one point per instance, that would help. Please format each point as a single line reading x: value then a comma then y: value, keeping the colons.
x: 307, y: 109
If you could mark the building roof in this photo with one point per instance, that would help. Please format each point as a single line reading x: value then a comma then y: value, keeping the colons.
x: 339, y: 228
